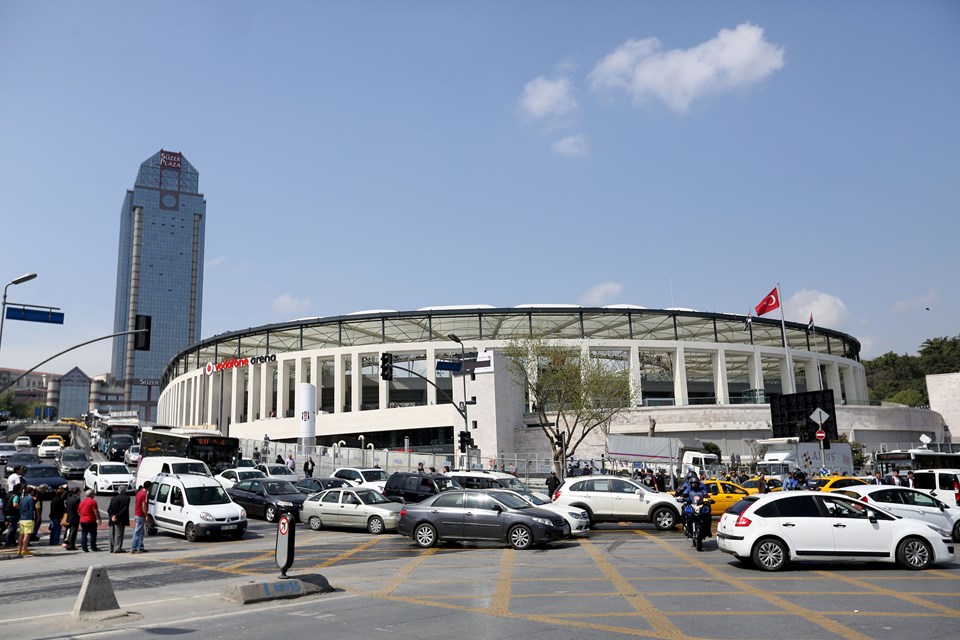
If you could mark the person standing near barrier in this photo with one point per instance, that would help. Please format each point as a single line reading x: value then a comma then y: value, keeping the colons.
x: 140, y: 517
x: 89, y: 521
x: 308, y: 467
x: 119, y: 514
x: 553, y: 483
x: 72, y: 505
x: 57, y: 511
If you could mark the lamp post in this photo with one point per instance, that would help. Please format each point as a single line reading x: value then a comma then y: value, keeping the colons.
x: 3, y: 309
x: 361, y: 438
x: 463, y: 376
x: 369, y: 446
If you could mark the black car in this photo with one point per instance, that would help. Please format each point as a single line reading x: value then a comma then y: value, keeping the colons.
x: 20, y: 459
x: 72, y: 462
x: 315, y: 485
x: 471, y: 515
x: 118, y: 446
x: 268, y: 497
x: 44, y: 474
x: 408, y: 487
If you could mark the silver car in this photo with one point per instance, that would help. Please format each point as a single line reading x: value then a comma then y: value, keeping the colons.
x: 358, y: 507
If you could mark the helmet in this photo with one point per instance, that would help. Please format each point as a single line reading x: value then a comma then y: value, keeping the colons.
x: 694, y: 480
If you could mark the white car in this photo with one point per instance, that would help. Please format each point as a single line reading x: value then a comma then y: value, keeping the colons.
x: 49, y: 448
x: 22, y: 443
x: 577, y: 519
x: 909, y: 503
x: 774, y: 529
x: 372, y: 478
x: 614, y: 499
x: 278, y: 472
x: 231, y: 477
x: 107, y: 477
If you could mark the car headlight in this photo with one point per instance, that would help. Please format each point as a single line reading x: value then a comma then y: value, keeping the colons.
x: 206, y: 516
x: 284, y: 503
x: 543, y: 521
x: 576, y: 516
x: 940, y: 532
x: 243, y: 513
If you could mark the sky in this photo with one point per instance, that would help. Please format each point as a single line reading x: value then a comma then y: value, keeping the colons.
x: 396, y: 155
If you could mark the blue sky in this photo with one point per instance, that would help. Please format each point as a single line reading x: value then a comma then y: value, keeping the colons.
x: 371, y: 155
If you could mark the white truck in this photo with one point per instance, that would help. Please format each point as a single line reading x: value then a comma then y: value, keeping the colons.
x: 787, y: 454
x: 679, y: 456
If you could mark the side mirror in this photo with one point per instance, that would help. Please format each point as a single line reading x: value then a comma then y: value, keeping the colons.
x: 497, y: 508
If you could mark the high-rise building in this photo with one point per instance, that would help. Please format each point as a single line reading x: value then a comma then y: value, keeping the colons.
x: 159, y: 274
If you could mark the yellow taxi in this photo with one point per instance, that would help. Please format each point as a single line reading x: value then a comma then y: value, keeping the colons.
x: 835, y: 482
x: 772, y: 485
x: 724, y: 495
x: 55, y: 436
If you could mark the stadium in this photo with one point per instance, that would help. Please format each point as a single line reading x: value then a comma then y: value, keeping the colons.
x: 696, y: 374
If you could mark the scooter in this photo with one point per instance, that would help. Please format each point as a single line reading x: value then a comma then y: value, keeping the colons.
x: 696, y: 511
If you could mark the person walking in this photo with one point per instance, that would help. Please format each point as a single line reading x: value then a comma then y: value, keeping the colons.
x: 11, y: 514
x: 89, y: 521
x: 553, y: 483
x: 28, y: 511
x: 119, y: 514
x: 895, y: 479
x: 910, y: 482
x: 256, y: 455
x: 140, y: 517
x: 308, y: 467
x: 762, y: 483
x: 72, y: 505
x: 58, y: 509
x: 290, y: 462
x: 877, y: 478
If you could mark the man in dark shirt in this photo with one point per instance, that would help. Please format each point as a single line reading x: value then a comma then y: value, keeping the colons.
x: 72, y: 505
x: 119, y: 514
x: 57, y: 510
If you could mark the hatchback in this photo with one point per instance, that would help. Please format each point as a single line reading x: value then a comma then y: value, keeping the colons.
x: 910, y: 503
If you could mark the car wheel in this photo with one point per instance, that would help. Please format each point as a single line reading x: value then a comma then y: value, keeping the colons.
x: 956, y: 532
x: 375, y: 525
x: 770, y: 554
x: 425, y: 535
x: 315, y: 523
x: 664, y: 518
x: 914, y: 553
x: 520, y: 537
x: 190, y: 532
x: 270, y: 513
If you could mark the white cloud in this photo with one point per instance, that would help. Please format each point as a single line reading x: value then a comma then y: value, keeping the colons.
x: 215, y: 262
x: 572, y: 146
x: 734, y: 59
x: 601, y: 294
x: 917, y: 304
x: 828, y: 310
x: 288, y: 303
x: 543, y: 98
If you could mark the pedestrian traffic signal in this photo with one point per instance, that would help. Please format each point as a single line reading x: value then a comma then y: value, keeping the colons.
x: 386, y: 366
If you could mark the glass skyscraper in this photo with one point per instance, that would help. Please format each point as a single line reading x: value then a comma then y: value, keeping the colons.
x: 159, y: 274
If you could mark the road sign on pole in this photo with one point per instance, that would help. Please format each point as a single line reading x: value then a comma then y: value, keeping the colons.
x: 821, y: 434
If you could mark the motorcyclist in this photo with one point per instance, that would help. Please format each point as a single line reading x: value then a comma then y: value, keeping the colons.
x: 693, y: 488
x: 791, y: 483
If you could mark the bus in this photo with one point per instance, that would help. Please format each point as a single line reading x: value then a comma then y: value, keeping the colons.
x: 915, y: 459
x: 113, y: 427
x: 218, y: 451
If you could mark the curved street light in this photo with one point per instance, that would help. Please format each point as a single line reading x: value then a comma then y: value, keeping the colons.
x: 463, y: 376
x: 3, y: 308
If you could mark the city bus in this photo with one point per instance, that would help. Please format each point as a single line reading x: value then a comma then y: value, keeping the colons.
x: 219, y: 452
x: 915, y: 459
x: 113, y: 427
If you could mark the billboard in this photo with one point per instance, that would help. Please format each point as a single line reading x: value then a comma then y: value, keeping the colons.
x: 790, y: 415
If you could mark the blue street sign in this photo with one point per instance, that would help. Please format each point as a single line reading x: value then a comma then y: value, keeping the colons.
x: 446, y: 365
x: 35, y: 315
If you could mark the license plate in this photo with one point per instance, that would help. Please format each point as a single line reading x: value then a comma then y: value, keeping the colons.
x: 228, y: 526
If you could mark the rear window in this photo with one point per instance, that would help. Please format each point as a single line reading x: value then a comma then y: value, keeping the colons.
x: 798, y: 507
x: 923, y: 481
x: 947, y: 481
x: 741, y: 506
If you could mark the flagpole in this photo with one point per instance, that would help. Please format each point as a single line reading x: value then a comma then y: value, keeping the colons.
x: 786, y: 348
x: 814, y: 332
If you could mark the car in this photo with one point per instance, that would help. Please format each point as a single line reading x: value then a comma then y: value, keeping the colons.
x: 316, y: 485
x: 374, y: 478
x: 751, y: 485
x: 909, y: 503
x: 231, y: 477
x: 132, y: 456
x: 246, y: 463
x: 577, y: 521
x: 830, y: 483
x: 278, y: 472
x: 614, y: 499
x: 267, y: 497
x: 772, y: 530
x: 193, y: 506
x: 23, y: 442
x: 492, y: 480
x: 358, y: 507
x: 943, y: 484
x: 107, y: 477
x: 7, y: 449
x: 473, y: 515
x: 43, y: 474
x: 72, y: 462
x: 57, y: 436
x: 49, y: 448
x: 410, y: 487
x: 20, y: 459
x: 724, y: 495
x: 118, y: 446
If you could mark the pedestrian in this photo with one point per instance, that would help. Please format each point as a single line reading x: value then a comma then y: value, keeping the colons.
x: 72, y: 505
x: 279, y: 459
x: 119, y: 513
x: 89, y: 521
x: 38, y: 512
x: 27, y: 514
x: 308, y: 467
x: 877, y: 478
x: 11, y: 515
x: 895, y: 479
x: 58, y: 509
x: 433, y: 470
x: 140, y: 517
x: 446, y: 469
x: 13, y: 479
x: 762, y: 483
x: 910, y: 481
x: 791, y: 483
x: 290, y: 463
x: 553, y: 483
x: 420, y: 468
x: 256, y: 455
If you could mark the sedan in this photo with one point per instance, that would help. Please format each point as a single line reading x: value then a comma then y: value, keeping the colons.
x: 278, y: 472
x: 909, y: 503
x: 472, y: 515
x: 778, y: 528
x: 837, y: 482
x: 23, y: 442
x: 360, y: 508
x: 577, y: 520
x: 49, y: 448
x: 44, y: 474
x: 72, y: 463
x: 20, y: 459
x: 7, y: 449
x: 316, y: 485
x: 231, y: 477
x: 107, y: 477
x: 724, y: 495
x: 132, y: 456
x: 267, y: 497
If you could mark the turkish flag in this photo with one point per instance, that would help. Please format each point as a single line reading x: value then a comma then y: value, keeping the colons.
x: 768, y: 304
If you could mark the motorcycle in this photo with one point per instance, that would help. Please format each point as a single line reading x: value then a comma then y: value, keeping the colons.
x: 697, y: 511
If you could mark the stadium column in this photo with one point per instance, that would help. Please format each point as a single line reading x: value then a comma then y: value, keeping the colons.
x: 356, y: 381
x: 851, y: 386
x: 339, y: 383
x: 283, y: 387
x: 755, y: 369
x: 213, y: 398
x: 432, y: 376
x: 720, y: 389
x: 680, y: 394
x: 316, y: 379
x: 636, y: 388
x: 833, y: 382
x: 253, y: 392
x: 786, y: 377
x: 810, y: 373
x: 266, y: 389
x: 236, y: 397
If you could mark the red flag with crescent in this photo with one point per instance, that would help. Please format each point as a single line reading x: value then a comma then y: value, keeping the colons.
x: 768, y: 304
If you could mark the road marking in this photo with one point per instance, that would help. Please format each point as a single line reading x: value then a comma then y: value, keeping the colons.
x: 401, y: 576
x: 907, y: 597
x: 343, y: 556
x: 500, y: 604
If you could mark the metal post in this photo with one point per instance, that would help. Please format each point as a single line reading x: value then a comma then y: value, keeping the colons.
x: 3, y: 310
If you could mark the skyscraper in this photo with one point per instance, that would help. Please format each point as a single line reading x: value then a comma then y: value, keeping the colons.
x: 159, y: 274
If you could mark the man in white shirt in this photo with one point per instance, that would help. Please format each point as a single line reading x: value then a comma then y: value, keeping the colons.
x: 13, y: 479
x: 895, y: 479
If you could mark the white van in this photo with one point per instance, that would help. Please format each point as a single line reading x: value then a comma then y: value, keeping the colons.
x: 152, y: 466
x: 193, y: 506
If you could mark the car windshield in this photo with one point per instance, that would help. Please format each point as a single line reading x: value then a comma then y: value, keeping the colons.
x: 207, y: 495
x: 24, y: 457
x: 121, y: 439
x: 42, y: 471
x: 190, y: 468
x: 514, y: 484
x: 371, y: 497
x: 113, y: 469
x: 249, y: 475
x: 135, y: 449
x: 512, y: 501
x: 73, y: 456
x: 374, y: 475
x: 279, y: 488
x: 50, y: 443
x: 278, y: 470
x: 6, y: 446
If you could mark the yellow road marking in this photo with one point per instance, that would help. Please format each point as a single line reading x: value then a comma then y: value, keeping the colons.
x: 906, y: 597
x: 346, y: 554
x: 500, y: 605
x: 402, y: 574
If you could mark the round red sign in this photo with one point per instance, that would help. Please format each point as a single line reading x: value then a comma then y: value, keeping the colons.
x: 821, y: 434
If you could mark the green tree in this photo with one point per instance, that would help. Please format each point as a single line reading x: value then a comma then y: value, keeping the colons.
x: 909, y: 397
x: 714, y: 448
x: 572, y: 395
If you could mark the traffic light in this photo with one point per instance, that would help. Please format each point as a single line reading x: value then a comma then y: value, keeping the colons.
x: 558, y: 440
x: 141, y: 341
x: 470, y: 442
x: 386, y: 366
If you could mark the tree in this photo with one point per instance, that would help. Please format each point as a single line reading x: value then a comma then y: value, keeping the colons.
x: 858, y: 449
x: 714, y: 448
x: 572, y: 393
x: 909, y: 397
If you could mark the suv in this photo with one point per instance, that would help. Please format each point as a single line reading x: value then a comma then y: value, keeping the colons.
x: 943, y: 484
x: 613, y: 499
x: 193, y: 506
x: 373, y: 478
x: 408, y: 487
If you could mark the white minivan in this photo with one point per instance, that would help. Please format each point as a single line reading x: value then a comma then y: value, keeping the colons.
x: 151, y: 466
x: 193, y: 506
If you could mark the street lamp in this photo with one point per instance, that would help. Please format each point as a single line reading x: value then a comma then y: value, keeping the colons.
x: 3, y: 309
x: 463, y: 376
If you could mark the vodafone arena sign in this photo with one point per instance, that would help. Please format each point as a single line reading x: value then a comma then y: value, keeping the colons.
x: 232, y: 363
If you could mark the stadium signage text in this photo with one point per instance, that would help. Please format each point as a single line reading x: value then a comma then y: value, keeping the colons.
x: 238, y: 362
